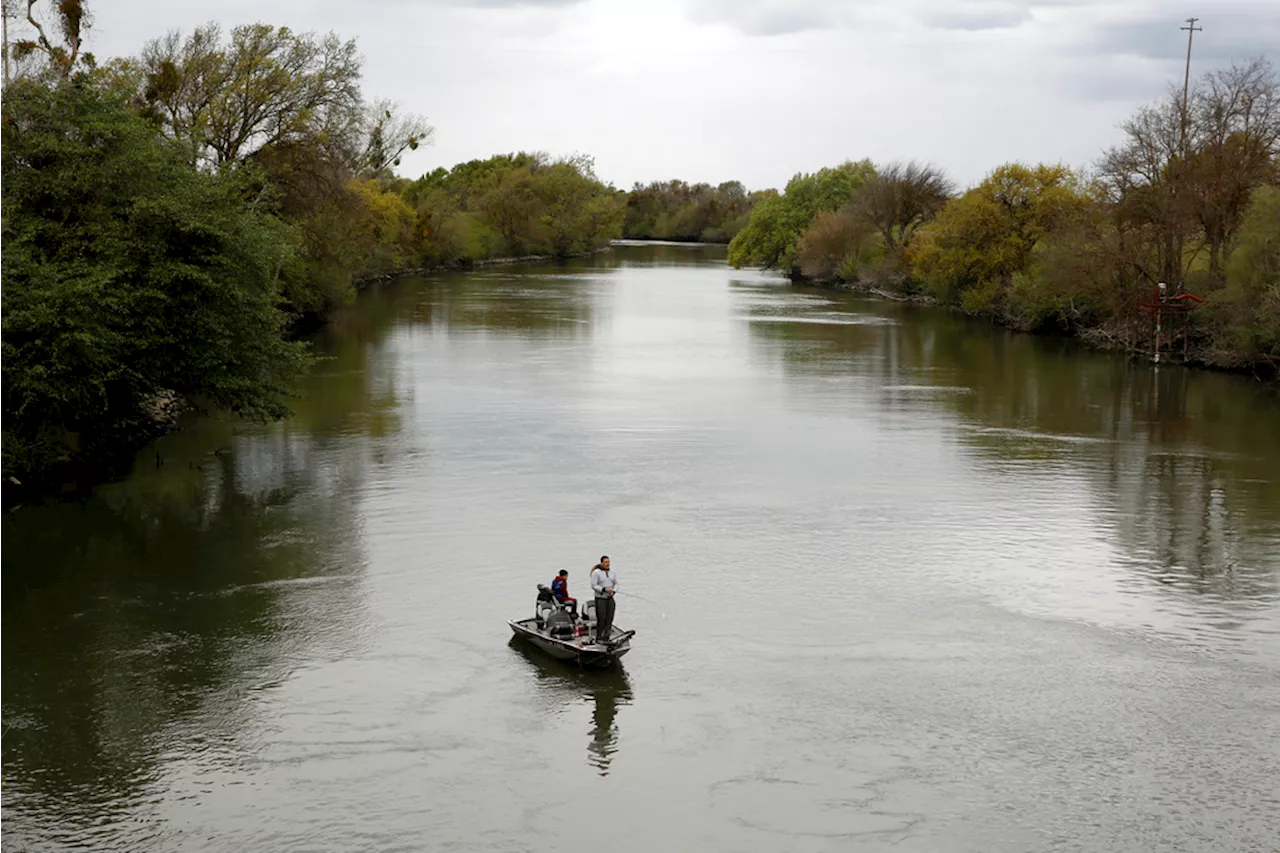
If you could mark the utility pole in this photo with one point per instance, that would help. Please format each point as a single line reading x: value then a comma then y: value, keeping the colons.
x: 4, y: 22
x: 1191, y: 29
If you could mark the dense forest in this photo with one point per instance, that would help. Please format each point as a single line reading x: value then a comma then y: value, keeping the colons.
x: 1189, y: 199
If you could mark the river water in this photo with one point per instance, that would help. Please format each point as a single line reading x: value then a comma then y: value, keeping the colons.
x: 901, y: 581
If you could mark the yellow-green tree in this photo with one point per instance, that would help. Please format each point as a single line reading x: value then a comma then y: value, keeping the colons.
x: 971, y: 252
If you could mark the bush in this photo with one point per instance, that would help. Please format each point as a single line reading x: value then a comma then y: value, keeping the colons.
x: 127, y: 275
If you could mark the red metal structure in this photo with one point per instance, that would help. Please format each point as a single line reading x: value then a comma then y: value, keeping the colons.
x: 1162, y: 304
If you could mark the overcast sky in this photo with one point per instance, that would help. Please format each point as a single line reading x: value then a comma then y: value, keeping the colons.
x: 755, y: 90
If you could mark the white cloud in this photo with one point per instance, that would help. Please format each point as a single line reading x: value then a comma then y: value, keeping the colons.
x: 752, y: 89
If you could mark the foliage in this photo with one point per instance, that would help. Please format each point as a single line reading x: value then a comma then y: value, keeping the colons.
x: 57, y: 54
x: 835, y: 246
x: 127, y: 275
x: 675, y: 210
x: 982, y: 239
x: 1246, y: 313
x: 1068, y: 281
x: 288, y: 105
x: 514, y: 205
x: 901, y: 198
x: 268, y: 86
x: 771, y: 235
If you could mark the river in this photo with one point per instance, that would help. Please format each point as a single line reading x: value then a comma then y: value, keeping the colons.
x: 901, y: 581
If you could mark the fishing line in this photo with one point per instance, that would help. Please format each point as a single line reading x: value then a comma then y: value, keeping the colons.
x: 641, y: 598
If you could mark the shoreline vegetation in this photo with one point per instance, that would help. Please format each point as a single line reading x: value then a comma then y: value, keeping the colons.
x: 175, y: 222
x: 1179, y: 224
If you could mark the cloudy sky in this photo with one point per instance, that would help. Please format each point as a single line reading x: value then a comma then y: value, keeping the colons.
x: 755, y: 90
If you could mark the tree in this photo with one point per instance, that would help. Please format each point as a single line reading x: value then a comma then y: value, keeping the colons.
x: 770, y: 236
x: 288, y: 105
x: 830, y: 248
x: 269, y: 86
x: 1236, y: 123
x: 579, y: 212
x: 127, y: 274
x: 510, y: 205
x: 675, y: 210
x: 70, y: 22
x: 1179, y: 183
x: 983, y: 238
x: 899, y: 199
x: 1246, y: 313
x: 387, y: 136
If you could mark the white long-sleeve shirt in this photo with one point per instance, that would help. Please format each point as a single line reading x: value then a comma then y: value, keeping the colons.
x: 602, y: 580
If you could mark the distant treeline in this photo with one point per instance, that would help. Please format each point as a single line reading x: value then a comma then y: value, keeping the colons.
x: 1189, y: 199
x: 675, y: 210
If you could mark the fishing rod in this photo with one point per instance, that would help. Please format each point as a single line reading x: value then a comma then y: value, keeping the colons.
x: 640, y: 597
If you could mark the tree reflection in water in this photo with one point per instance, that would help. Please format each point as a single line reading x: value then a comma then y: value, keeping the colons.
x: 1179, y: 464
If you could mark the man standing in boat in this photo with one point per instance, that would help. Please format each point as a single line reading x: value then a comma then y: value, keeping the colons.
x: 604, y: 584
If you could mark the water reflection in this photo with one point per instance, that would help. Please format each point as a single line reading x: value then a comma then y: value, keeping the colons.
x: 563, y: 300
x: 627, y: 253
x: 1180, y: 465
x: 606, y: 690
x: 505, y: 300
x: 142, y: 622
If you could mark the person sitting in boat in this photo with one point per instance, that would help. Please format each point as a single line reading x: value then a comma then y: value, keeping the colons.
x: 560, y: 589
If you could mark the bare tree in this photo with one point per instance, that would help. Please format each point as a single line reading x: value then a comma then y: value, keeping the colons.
x: 1236, y: 122
x: 1137, y: 175
x: 1166, y: 194
x: 70, y: 21
x: 900, y: 198
x: 388, y: 135
x: 269, y: 86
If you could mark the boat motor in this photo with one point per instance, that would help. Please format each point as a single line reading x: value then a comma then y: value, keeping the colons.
x: 544, y: 606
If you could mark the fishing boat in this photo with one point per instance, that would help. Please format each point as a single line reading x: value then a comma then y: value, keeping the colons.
x: 554, y: 630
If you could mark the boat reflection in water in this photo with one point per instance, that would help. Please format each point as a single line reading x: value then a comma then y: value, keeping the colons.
x: 605, y: 689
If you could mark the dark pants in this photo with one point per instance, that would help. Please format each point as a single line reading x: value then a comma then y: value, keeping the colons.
x: 572, y: 604
x: 604, y: 617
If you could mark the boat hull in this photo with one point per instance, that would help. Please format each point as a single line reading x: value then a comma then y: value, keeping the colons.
x: 575, y: 651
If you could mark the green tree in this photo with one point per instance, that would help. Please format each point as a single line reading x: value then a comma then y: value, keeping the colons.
x: 675, y: 210
x: 579, y: 213
x: 979, y: 241
x: 770, y: 236
x: 1246, y: 313
x: 511, y: 206
x: 127, y: 275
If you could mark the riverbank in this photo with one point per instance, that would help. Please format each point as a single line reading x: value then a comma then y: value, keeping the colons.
x: 468, y: 263
x: 1117, y: 339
